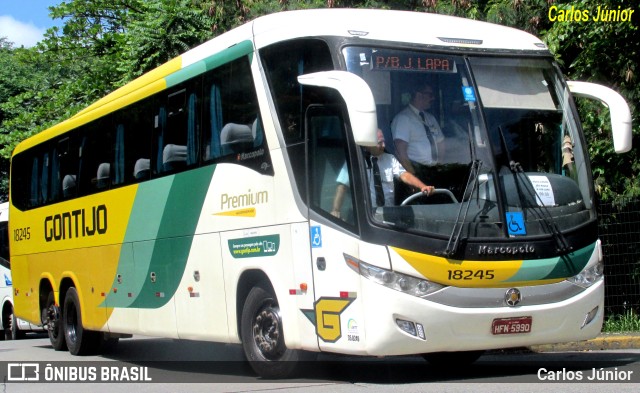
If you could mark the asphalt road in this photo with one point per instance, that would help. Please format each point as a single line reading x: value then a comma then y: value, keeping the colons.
x: 190, y: 366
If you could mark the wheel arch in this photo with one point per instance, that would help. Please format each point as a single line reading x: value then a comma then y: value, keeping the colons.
x: 249, y: 279
x: 45, y: 288
x: 65, y: 284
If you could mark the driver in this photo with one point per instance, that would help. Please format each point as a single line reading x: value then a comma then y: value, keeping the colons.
x: 382, y: 169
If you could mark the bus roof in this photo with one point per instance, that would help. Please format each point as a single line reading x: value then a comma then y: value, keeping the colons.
x: 399, y: 26
x: 366, y: 24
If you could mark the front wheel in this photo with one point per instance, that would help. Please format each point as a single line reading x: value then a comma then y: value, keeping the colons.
x: 262, y: 338
x: 79, y: 340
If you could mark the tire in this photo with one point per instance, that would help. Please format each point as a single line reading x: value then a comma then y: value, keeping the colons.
x: 51, y: 316
x: 79, y: 340
x: 16, y: 334
x: 447, y: 359
x: 262, y: 337
x: 5, y: 333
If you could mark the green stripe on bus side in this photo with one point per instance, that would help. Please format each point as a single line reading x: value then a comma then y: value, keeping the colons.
x: 240, y: 49
x: 158, y: 239
x: 151, y: 198
x: 170, y: 252
x: 554, y: 268
x: 143, y: 226
x: 189, y: 72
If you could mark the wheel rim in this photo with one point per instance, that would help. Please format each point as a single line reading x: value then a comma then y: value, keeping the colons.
x: 267, y: 333
x: 50, y: 317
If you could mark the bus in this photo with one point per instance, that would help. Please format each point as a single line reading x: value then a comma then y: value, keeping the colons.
x: 196, y: 201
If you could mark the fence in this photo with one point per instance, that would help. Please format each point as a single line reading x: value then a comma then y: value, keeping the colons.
x: 619, y: 230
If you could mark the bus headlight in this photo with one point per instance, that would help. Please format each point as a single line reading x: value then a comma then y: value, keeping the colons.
x: 400, y: 282
x: 588, y: 276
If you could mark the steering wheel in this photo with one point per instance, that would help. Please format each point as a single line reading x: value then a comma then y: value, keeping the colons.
x: 419, y: 194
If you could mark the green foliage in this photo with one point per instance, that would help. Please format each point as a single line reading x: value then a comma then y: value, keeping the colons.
x: 166, y: 29
x: 628, y: 322
x: 32, y: 97
x: 526, y: 15
x: 604, y: 53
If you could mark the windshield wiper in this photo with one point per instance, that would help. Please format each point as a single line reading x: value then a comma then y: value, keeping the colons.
x: 454, y: 238
x: 540, y: 209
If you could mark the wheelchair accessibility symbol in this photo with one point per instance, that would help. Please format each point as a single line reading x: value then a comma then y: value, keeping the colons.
x: 316, y: 237
x: 515, y: 223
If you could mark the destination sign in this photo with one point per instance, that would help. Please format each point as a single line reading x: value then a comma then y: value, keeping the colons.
x: 411, y: 61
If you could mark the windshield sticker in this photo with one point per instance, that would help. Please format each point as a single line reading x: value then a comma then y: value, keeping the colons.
x: 515, y: 223
x: 543, y: 188
x: 469, y: 94
x: 258, y: 246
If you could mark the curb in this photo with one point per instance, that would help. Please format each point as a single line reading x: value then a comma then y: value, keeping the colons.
x: 605, y: 341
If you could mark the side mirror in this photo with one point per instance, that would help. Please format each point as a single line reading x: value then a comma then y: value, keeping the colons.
x: 359, y: 99
x: 618, y: 107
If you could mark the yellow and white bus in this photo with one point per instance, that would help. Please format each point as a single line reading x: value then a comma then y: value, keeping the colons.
x: 196, y: 202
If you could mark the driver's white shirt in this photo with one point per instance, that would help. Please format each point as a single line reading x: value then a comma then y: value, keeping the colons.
x: 407, y: 126
x: 390, y: 168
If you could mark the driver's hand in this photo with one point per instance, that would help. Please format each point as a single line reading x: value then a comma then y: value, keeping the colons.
x: 427, y: 190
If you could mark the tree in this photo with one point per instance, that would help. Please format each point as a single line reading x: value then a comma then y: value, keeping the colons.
x: 164, y: 30
x: 27, y: 83
x: 604, y: 53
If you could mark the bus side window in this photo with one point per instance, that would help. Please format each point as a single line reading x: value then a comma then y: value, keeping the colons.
x: 234, y: 138
x: 67, y: 169
x: 231, y: 117
x: 119, y: 159
x: 34, y: 199
x: 329, y: 169
x: 68, y: 186
x: 134, y: 127
x: 103, y: 175
x: 43, y: 197
x: 96, y: 157
x: 213, y: 109
x: 178, y: 131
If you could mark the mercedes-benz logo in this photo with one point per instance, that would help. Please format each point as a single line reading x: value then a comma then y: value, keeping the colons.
x: 512, y: 297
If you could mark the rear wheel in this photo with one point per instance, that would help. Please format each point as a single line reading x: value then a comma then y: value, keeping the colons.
x: 79, y: 340
x: 262, y: 337
x: 52, y: 321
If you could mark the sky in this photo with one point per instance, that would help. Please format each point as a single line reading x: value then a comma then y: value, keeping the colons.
x: 24, y: 22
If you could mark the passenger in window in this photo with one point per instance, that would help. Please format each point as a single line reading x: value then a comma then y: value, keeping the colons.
x: 382, y: 169
x: 417, y: 136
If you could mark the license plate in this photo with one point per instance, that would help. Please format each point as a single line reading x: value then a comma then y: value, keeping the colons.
x: 515, y: 325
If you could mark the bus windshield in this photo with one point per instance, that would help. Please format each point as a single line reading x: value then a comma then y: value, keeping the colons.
x: 496, y: 138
